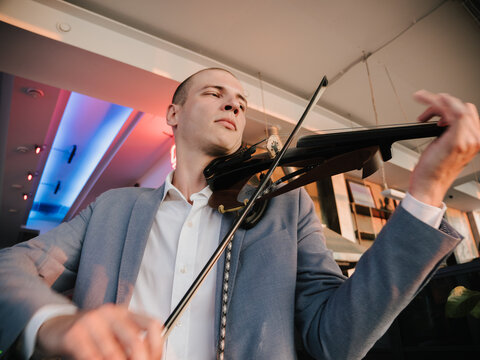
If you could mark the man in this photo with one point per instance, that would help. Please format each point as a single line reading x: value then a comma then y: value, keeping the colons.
x: 135, y: 248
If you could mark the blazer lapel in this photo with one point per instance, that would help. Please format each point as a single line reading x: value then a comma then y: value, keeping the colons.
x: 227, y: 222
x: 141, y: 220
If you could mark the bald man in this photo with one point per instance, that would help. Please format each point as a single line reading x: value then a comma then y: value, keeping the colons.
x: 130, y: 256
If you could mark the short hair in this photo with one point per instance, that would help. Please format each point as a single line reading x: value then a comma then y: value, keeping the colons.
x: 181, y: 93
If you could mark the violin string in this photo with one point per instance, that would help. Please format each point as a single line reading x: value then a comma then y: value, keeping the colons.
x: 357, y: 128
x: 337, y: 131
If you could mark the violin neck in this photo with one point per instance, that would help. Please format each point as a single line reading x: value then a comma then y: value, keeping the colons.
x: 376, y: 136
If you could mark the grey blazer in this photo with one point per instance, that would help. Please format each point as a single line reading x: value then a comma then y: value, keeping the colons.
x: 282, y: 275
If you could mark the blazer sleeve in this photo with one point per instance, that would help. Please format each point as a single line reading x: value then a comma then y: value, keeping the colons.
x: 341, y: 318
x: 36, y: 272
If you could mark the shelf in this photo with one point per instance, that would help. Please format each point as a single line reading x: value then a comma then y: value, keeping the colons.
x: 369, y: 211
x: 365, y: 235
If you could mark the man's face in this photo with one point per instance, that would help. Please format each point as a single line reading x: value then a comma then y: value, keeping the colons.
x: 212, y: 118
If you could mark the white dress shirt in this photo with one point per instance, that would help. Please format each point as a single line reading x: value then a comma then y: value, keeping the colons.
x: 172, y: 258
x: 182, y: 239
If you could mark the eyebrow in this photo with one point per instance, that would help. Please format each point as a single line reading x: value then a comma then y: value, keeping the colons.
x: 222, y: 88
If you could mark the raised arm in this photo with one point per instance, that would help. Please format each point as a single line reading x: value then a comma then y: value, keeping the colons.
x: 344, y: 321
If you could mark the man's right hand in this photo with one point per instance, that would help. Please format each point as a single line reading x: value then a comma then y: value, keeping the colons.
x: 108, y: 332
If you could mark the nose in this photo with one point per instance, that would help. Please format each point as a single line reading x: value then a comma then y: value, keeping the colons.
x: 232, y: 106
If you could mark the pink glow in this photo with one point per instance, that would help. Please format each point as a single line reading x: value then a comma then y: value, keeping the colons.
x: 173, y: 156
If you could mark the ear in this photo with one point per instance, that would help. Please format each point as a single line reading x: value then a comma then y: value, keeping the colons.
x: 172, y: 112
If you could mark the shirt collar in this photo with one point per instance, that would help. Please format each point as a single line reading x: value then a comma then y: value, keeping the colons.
x: 175, y: 194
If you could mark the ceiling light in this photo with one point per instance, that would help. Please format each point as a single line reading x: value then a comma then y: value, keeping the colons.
x: 26, y: 196
x: 34, y: 92
x: 39, y: 148
x: 64, y: 27
x: 85, y: 133
x: 29, y: 176
x: 22, y: 149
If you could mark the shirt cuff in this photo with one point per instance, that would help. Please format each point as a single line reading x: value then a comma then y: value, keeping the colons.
x: 29, y: 335
x: 429, y: 214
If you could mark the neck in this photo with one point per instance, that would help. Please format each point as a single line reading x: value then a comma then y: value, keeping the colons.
x: 188, y: 176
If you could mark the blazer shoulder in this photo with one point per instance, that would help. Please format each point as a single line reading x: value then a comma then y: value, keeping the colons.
x: 125, y: 194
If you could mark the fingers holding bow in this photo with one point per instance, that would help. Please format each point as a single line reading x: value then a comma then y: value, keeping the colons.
x: 108, y: 332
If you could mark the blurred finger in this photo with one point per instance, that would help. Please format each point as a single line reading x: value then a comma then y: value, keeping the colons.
x: 427, y: 114
x: 473, y: 109
x: 129, y: 336
x: 425, y: 97
x: 452, y: 105
x: 82, y: 348
x: 106, y: 342
x: 447, y: 107
x: 155, y: 340
x: 153, y: 334
x: 435, y: 105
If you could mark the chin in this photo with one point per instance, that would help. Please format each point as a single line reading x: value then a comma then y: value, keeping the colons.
x: 219, y: 150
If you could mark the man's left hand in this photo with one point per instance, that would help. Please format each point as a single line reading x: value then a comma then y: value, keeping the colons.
x: 443, y: 160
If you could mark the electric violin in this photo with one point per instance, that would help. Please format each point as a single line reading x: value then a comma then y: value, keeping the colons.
x: 314, y: 157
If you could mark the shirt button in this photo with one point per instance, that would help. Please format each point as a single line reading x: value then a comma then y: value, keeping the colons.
x: 189, y: 223
x: 183, y: 269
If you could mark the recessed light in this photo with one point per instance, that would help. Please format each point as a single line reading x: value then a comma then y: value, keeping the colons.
x: 63, y: 27
x: 33, y: 92
x: 25, y: 149
x: 22, y: 149
x: 12, y: 211
x: 39, y: 148
x: 17, y: 186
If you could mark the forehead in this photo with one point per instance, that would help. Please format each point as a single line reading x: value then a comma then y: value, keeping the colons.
x: 216, y: 78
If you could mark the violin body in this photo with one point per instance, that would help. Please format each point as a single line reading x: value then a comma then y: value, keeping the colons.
x: 315, y: 156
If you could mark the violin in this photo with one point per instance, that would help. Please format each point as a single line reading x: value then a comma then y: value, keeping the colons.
x: 315, y: 157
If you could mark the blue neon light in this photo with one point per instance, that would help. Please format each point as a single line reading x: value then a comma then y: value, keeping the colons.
x: 91, y: 125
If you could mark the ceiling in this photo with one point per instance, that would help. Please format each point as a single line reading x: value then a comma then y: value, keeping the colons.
x: 433, y: 44
x: 407, y: 45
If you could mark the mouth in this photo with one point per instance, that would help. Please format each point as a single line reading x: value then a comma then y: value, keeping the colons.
x: 229, y: 124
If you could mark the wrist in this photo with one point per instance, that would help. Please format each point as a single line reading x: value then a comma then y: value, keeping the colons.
x: 49, y: 334
x: 30, y: 333
x: 431, y: 215
x: 429, y: 192
x: 429, y: 198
